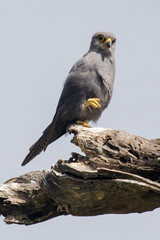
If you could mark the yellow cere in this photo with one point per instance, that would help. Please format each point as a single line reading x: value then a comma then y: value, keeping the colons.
x: 108, y: 40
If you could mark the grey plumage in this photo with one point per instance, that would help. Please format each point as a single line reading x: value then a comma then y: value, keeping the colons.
x: 91, y: 77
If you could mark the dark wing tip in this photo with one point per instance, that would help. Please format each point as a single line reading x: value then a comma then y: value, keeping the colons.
x: 23, y: 163
x: 35, y: 149
x: 41, y: 144
x: 27, y: 159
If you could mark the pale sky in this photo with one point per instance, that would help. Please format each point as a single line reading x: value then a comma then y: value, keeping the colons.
x: 39, y: 43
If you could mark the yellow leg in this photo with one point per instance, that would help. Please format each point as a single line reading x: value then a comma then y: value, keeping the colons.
x: 94, y: 102
x: 85, y: 123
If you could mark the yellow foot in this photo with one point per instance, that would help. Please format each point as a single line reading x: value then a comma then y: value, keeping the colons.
x: 94, y: 102
x: 85, y: 123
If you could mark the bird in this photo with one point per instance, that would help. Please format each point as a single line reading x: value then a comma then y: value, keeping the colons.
x: 87, y: 91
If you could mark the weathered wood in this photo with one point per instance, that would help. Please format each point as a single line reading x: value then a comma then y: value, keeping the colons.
x: 118, y: 174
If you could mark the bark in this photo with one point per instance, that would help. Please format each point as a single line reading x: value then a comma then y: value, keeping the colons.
x: 119, y: 173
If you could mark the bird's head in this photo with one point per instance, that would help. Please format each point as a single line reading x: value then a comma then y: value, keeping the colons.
x: 103, y: 42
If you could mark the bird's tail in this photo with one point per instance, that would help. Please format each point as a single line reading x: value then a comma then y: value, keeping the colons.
x: 49, y: 135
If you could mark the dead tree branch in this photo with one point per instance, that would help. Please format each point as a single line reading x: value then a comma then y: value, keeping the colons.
x: 118, y: 174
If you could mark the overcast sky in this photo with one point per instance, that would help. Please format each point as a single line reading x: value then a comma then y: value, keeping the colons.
x: 39, y: 43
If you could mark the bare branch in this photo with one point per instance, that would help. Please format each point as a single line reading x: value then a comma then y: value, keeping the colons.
x: 118, y: 174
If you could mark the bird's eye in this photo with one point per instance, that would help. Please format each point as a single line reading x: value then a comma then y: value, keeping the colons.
x: 100, y: 38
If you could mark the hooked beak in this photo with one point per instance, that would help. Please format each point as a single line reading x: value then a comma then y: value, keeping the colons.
x: 108, y: 42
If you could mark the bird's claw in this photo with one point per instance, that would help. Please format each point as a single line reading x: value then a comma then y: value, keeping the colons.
x: 84, y: 123
x: 94, y: 102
